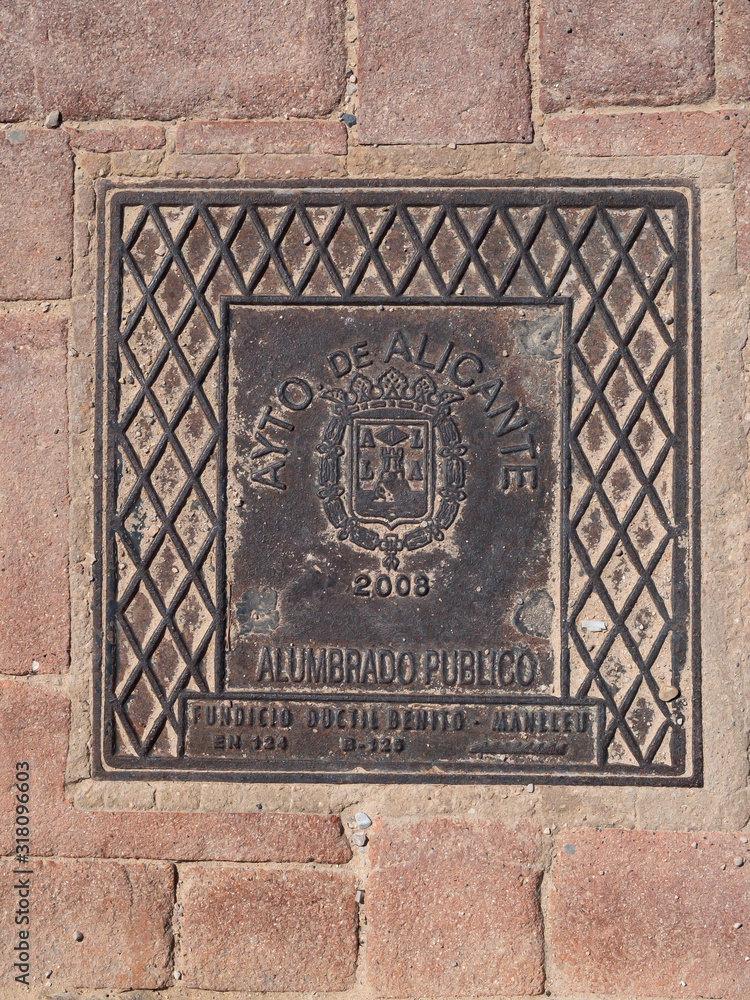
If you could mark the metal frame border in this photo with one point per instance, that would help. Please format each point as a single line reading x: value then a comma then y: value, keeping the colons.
x: 158, y: 192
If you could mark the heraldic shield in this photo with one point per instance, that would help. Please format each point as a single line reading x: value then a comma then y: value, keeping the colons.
x: 392, y: 469
x: 390, y: 454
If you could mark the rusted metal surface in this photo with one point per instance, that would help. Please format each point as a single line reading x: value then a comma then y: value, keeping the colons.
x: 396, y: 484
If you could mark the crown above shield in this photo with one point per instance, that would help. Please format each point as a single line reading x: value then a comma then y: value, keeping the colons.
x: 395, y: 388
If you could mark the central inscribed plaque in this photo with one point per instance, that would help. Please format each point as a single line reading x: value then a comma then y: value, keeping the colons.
x: 396, y: 484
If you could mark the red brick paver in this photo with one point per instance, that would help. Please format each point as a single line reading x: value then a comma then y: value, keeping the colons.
x: 123, y: 911
x: 271, y: 931
x: 733, y: 51
x: 127, y: 59
x: 34, y: 588
x: 625, y: 52
x: 665, y: 133
x: 35, y: 726
x: 443, y: 71
x: 647, y: 914
x: 453, y: 910
x: 36, y: 214
x: 110, y: 140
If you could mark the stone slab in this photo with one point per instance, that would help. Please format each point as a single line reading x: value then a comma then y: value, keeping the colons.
x: 267, y: 167
x: 211, y: 165
x: 742, y: 196
x: 275, y: 138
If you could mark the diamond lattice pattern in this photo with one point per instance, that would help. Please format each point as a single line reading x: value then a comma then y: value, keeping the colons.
x: 616, y: 266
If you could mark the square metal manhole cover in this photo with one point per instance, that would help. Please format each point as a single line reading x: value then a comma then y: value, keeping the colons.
x: 398, y: 483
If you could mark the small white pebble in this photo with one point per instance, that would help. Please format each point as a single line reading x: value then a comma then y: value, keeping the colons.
x: 594, y: 626
x: 547, y: 831
x: 35, y: 665
x: 177, y: 974
x: 529, y: 788
x: 739, y: 862
x: 737, y: 926
x: 362, y: 820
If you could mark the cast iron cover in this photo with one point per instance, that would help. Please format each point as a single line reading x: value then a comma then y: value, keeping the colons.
x: 397, y: 483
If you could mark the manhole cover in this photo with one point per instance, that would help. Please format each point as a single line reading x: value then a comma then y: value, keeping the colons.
x: 396, y: 484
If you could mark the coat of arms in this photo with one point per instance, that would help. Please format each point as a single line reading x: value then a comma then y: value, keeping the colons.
x: 391, y: 455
